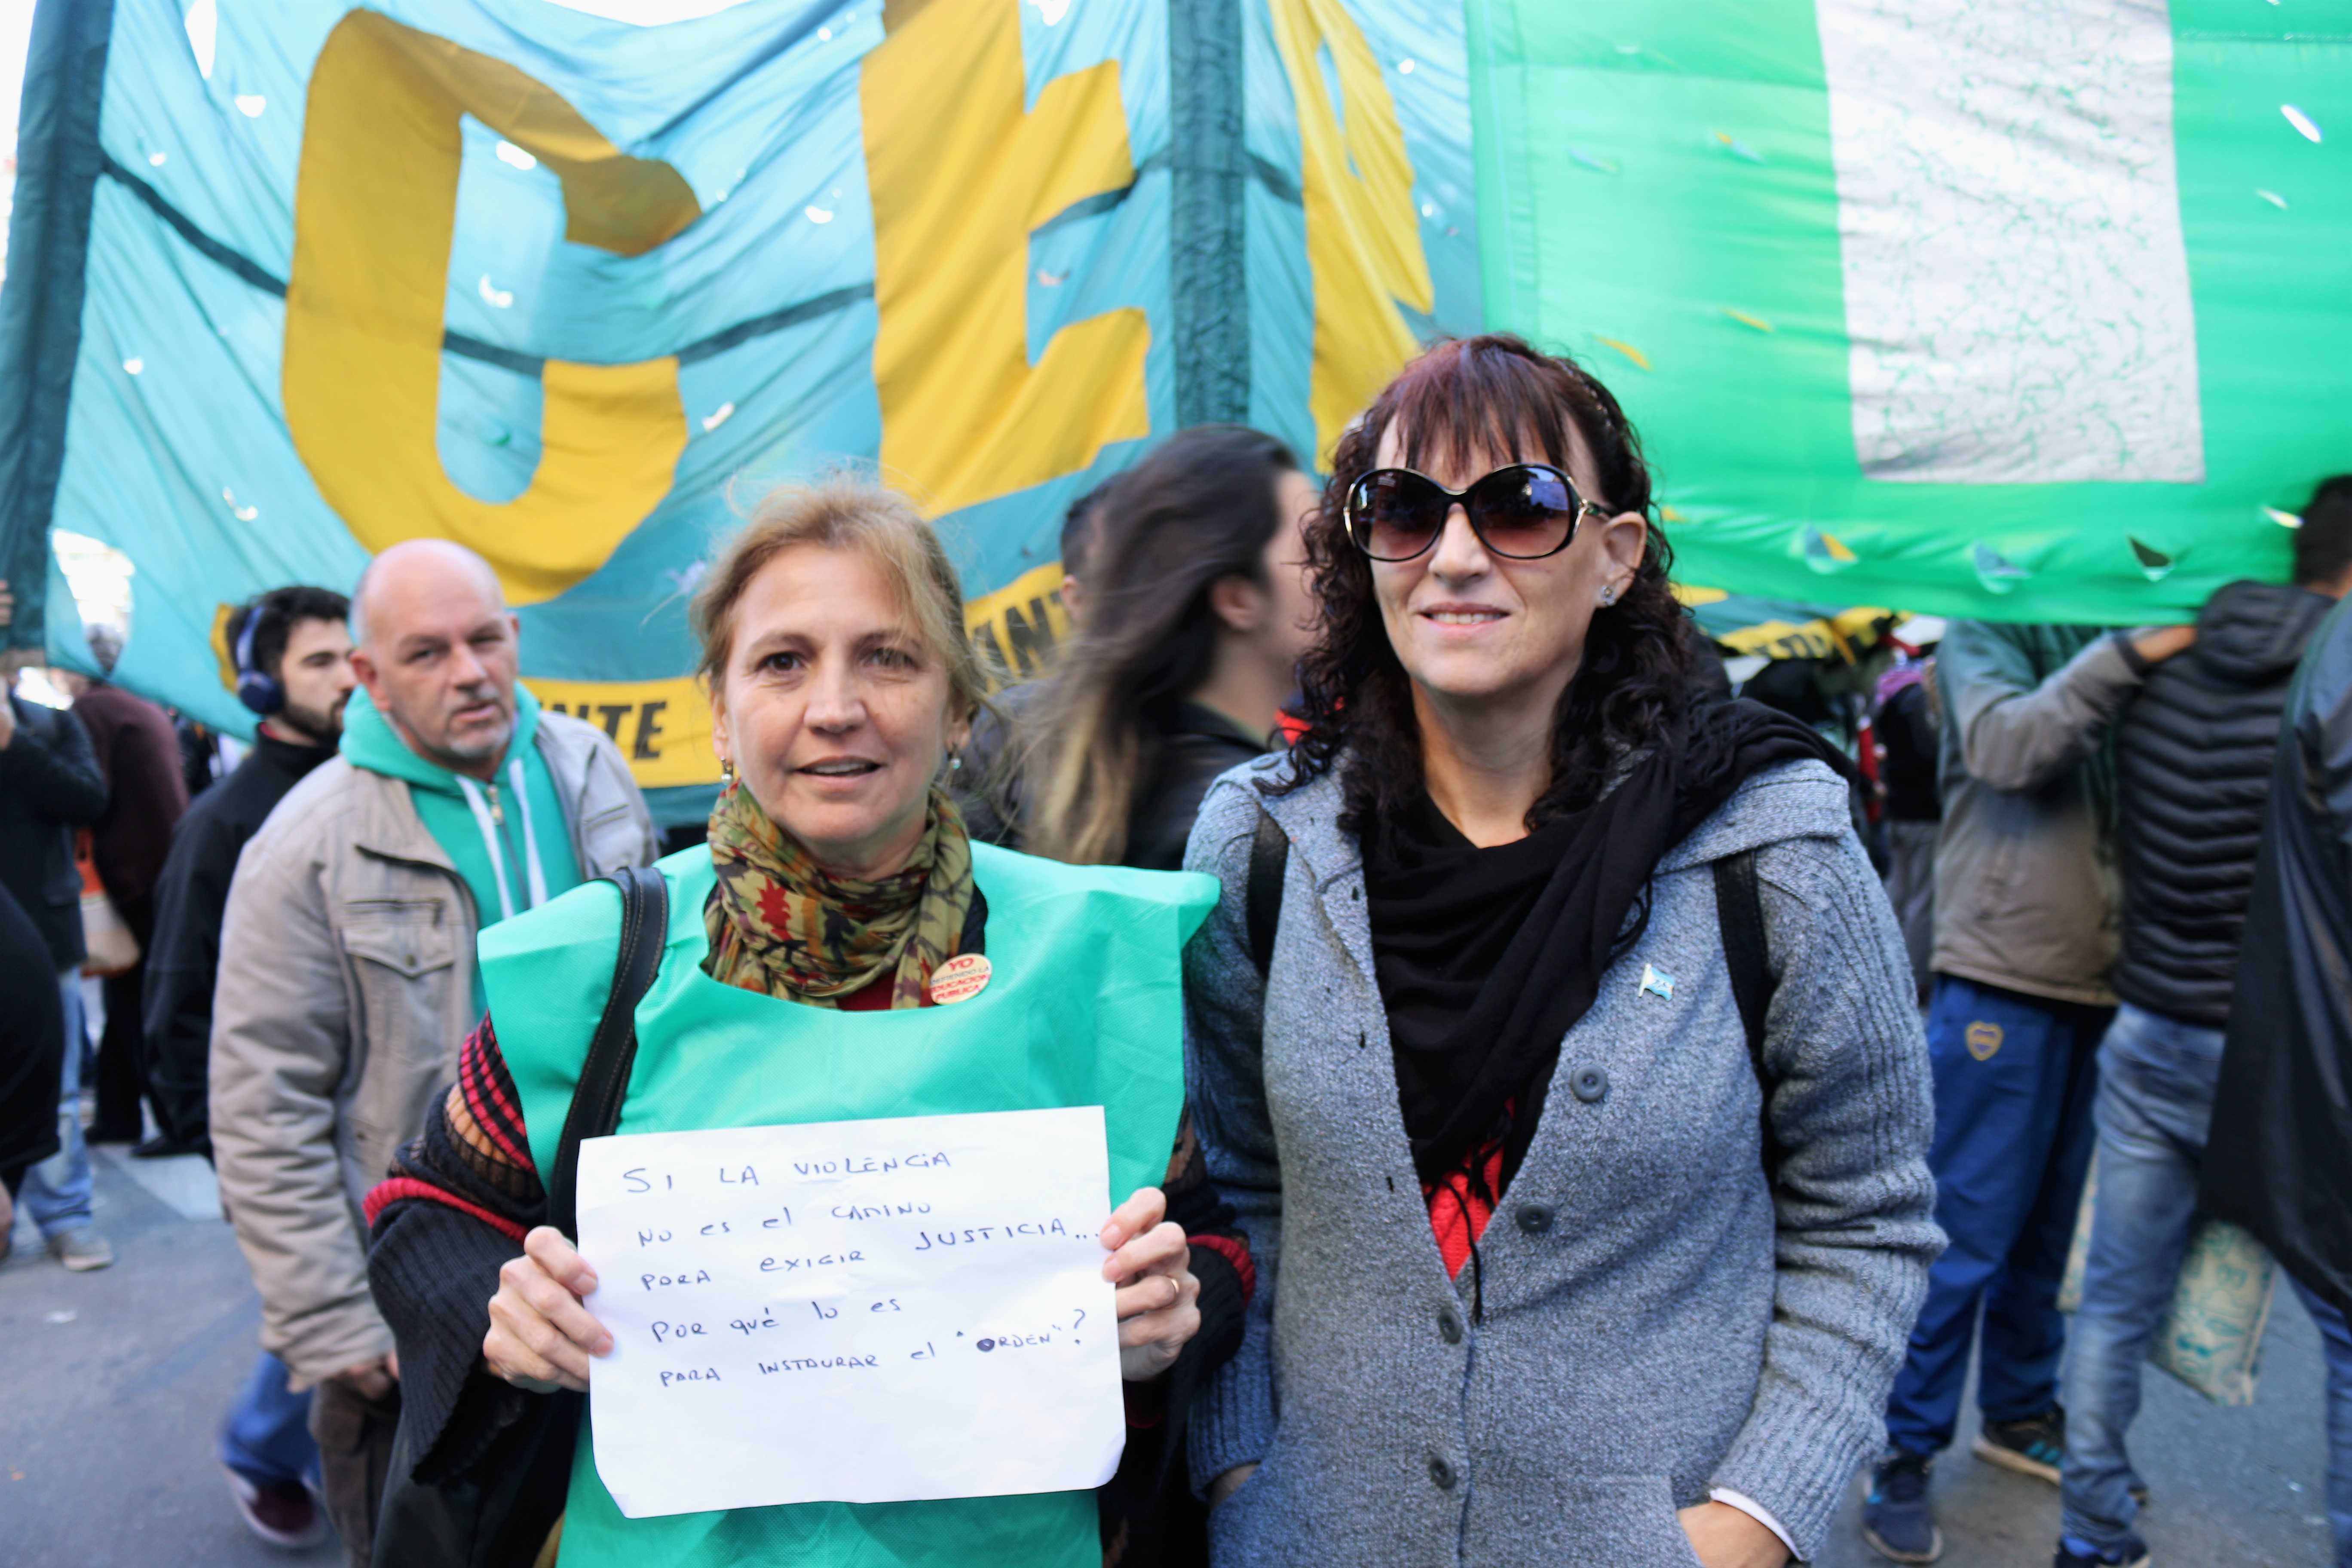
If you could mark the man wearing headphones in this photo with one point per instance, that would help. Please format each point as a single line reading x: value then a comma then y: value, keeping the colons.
x: 293, y: 653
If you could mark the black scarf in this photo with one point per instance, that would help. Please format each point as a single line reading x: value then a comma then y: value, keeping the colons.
x: 1485, y: 958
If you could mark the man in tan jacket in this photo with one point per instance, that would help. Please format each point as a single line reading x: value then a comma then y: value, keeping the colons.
x: 347, y: 971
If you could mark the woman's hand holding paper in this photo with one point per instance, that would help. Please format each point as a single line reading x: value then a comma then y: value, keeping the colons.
x: 1159, y: 1298
x: 540, y: 1336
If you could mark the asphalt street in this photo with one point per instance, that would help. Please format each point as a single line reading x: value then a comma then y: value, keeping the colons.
x: 111, y: 1384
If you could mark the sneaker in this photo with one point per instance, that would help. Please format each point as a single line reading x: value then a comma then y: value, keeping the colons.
x: 2035, y: 1447
x: 1898, y: 1517
x: 81, y: 1248
x: 2077, y: 1554
x: 282, y: 1513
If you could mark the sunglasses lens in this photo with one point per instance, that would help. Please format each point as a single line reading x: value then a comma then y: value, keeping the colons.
x: 1394, y: 514
x: 1523, y: 511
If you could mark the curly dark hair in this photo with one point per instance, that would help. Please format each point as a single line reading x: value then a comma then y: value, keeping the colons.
x: 1463, y: 399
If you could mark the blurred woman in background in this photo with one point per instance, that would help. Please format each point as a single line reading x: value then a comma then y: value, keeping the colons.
x: 1198, y: 611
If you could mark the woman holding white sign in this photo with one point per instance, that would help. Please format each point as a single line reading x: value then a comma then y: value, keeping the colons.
x: 1537, y: 1284
x: 830, y: 957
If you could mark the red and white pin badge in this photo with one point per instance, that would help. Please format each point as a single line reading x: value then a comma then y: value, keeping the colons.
x: 960, y: 979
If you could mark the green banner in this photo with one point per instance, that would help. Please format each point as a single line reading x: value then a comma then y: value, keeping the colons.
x: 1971, y: 307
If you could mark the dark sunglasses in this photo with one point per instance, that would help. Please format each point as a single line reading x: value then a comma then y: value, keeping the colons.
x: 1524, y: 512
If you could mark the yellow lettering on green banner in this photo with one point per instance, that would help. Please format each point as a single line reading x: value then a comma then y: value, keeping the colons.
x: 663, y: 727
x: 374, y: 210
x: 1018, y: 627
x: 959, y: 175
x: 1363, y: 238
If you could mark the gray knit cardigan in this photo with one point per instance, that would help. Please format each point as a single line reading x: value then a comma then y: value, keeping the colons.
x: 1657, y: 1324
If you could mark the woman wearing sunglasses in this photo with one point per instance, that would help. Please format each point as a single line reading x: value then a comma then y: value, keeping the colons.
x: 1553, y: 1265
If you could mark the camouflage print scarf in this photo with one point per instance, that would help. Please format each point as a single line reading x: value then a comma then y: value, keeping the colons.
x: 780, y: 924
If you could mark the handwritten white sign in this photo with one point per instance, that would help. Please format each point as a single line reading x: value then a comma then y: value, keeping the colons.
x: 852, y: 1311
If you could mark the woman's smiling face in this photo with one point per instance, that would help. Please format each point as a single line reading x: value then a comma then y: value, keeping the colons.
x: 1471, y: 626
x: 834, y: 714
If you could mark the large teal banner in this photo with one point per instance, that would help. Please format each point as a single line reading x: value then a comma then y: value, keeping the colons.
x: 2037, y: 312
x: 571, y: 290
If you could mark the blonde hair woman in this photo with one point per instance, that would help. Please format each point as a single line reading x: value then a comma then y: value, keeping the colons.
x: 838, y: 878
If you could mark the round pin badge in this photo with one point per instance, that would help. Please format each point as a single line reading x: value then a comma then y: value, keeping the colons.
x: 960, y: 979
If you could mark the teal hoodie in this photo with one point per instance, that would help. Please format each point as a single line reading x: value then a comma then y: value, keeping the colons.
x: 486, y: 838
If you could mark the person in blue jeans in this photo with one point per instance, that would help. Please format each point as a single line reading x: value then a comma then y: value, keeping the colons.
x: 294, y: 658
x: 2194, y: 755
x: 57, y: 1193
x: 50, y: 785
x: 2278, y: 1154
x: 2015, y: 1076
x: 2024, y: 938
x: 271, y: 1458
x: 2155, y: 1101
x: 2156, y: 1096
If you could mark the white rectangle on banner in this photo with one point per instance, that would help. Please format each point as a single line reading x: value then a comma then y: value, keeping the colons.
x: 2016, y: 285
x: 853, y: 1311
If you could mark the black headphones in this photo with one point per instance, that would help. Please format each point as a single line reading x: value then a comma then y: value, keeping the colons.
x: 256, y: 690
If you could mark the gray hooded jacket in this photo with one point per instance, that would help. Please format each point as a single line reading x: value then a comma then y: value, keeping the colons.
x: 1656, y: 1324
x: 2026, y: 892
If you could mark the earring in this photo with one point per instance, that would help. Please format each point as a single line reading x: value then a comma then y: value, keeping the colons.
x: 726, y: 770
x: 955, y: 763
x: 1608, y: 594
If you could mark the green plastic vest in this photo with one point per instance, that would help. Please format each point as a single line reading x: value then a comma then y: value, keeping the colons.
x: 1083, y: 1007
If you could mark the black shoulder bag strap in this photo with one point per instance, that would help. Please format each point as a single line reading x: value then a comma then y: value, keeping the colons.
x: 1739, y: 914
x: 1269, y: 862
x: 502, y: 1511
x: 612, y: 1049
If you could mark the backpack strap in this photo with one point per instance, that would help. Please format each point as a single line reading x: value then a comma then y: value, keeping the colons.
x: 612, y: 1049
x: 1740, y: 911
x: 1262, y: 906
x: 1739, y: 914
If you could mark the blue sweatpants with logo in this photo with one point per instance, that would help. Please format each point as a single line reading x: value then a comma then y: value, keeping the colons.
x: 2015, y: 1078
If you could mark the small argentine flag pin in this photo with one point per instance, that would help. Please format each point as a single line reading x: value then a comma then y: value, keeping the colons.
x: 1657, y: 983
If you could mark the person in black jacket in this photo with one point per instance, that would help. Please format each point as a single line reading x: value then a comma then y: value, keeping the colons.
x: 1197, y: 610
x: 302, y: 644
x: 303, y: 647
x: 2194, y: 760
x: 32, y: 1041
x: 145, y: 797
x: 2279, y: 1159
x: 49, y: 786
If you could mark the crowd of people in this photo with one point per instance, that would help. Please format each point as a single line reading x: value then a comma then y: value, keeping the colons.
x: 1584, y: 1116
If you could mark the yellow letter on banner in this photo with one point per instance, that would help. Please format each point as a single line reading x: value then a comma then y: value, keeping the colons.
x: 1363, y: 238
x: 959, y: 175
x: 374, y: 209
x: 663, y: 727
